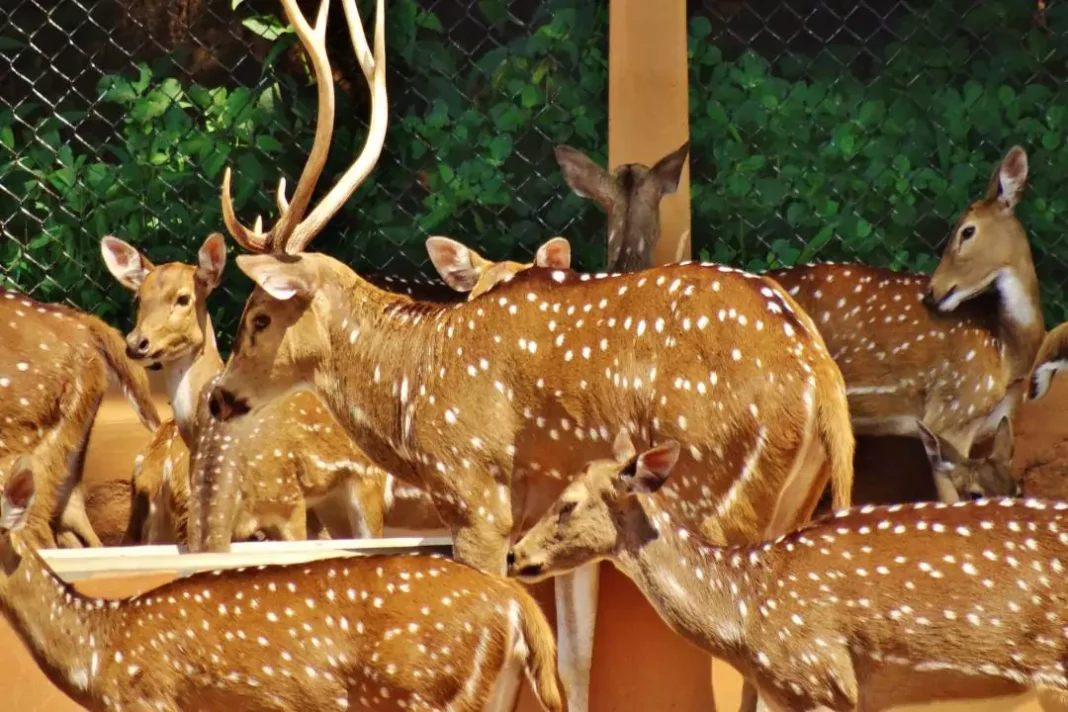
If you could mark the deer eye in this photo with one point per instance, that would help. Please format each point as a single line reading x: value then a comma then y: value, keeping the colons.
x: 183, y: 300
x: 261, y: 322
x: 967, y: 233
x: 567, y: 508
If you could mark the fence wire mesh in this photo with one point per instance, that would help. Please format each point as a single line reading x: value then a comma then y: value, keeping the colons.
x: 859, y: 131
x: 825, y: 129
x: 119, y: 116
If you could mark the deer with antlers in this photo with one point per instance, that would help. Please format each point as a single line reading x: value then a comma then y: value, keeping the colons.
x: 292, y: 456
x: 365, y: 632
x: 466, y: 397
x: 913, y: 349
x: 869, y: 609
x: 55, y: 369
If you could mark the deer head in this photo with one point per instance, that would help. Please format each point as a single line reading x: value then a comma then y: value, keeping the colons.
x: 599, y: 516
x: 465, y: 270
x: 172, y: 316
x: 1052, y: 357
x: 985, y: 472
x: 988, y: 246
x: 630, y: 195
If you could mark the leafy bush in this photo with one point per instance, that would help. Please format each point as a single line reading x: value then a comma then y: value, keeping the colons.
x: 813, y: 162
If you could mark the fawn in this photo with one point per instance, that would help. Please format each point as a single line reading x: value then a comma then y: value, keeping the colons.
x: 868, y: 609
x: 361, y: 633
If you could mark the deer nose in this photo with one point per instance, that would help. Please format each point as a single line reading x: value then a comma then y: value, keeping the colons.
x: 511, y: 559
x: 928, y: 297
x: 136, y: 345
x: 224, y: 405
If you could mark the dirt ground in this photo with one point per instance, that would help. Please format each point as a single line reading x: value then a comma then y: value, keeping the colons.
x: 677, y: 680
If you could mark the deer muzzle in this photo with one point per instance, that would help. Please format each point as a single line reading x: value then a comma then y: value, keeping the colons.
x: 137, y: 345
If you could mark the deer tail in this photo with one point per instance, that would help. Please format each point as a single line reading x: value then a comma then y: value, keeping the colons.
x: 131, y: 378
x: 541, y: 663
x: 836, y: 431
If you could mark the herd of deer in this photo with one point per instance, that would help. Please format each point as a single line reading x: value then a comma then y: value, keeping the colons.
x: 503, y: 404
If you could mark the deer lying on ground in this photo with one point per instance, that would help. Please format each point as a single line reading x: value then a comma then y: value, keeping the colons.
x: 913, y: 349
x: 54, y: 372
x: 374, y: 632
x: 866, y: 610
x: 490, y: 403
x: 290, y: 455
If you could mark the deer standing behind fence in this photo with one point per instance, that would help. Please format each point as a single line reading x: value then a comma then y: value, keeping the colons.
x: 290, y: 457
x: 869, y: 609
x: 361, y: 633
x: 489, y: 404
x: 913, y: 349
x: 55, y: 369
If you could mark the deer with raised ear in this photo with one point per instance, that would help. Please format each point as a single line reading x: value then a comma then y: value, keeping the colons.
x: 912, y: 348
x: 869, y: 609
x: 464, y: 270
x: 55, y: 370
x: 290, y: 456
x: 397, y: 632
x: 491, y: 403
x: 630, y: 196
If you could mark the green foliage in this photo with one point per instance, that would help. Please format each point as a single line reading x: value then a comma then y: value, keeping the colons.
x: 468, y: 154
x: 814, y: 162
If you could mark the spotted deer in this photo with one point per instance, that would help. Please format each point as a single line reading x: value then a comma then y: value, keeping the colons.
x: 913, y: 348
x: 395, y: 632
x: 869, y: 609
x: 491, y: 402
x: 1052, y: 357
x: 464, y: 270
x: 630, y: 196
x: 290, y: 457
x: 55, y: 369
x: 984, y: 472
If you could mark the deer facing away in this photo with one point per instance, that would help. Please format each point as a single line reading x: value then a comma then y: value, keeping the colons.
x: 290, y: 455
x: 953, y: 361
x: 350, y: 633
x: 869, y: 609
x: 491, y: 402
x: 54, y: 371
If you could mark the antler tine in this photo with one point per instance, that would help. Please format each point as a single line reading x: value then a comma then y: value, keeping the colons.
x: 290, y: 213
x: 375, y: 71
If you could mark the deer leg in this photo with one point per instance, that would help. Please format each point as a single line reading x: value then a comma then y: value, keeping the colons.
x: 505, y: 694
x: 75, y: 519
x: 576, y: 616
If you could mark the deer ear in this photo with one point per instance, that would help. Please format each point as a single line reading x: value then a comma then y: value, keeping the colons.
x: 212, y: 260
x: 668, y: 170
x: 555, y: 253
x: 622, y: 448
x: 586, y: 178
x: 652, y: 468
x: 458, y: 264
x: 18, y: 495
x: 1009, y: 179
x: 933, y: 445
x: 125, y: 263
x: 1003, y: 450
x: 282, y: 280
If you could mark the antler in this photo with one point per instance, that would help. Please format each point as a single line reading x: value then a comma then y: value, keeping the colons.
x: 374, y: 71
x: 291, y: 234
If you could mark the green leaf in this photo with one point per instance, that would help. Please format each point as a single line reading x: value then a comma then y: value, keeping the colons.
x: 530, y: 96
x: 266, y: 26
x: 269, y: 144
x: 500, y: 147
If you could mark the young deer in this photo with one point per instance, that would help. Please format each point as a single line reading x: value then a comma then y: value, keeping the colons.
x: 630, y: 196
x: 950, y: 361
x: 984, y: 472
x: 870, y: 609
x: 54, y: 372
x: 490, y: 403
x: 464, y: 270
x: 374, y: 632
x: 290, y: 456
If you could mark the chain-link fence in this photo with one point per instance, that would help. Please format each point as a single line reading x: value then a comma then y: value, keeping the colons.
x: 119, y: 116
x: 845, y: 130
x: 824, y: 129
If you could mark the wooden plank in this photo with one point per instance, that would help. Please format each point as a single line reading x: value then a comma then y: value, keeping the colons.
x: 648, y: 103
x: 79, y: 564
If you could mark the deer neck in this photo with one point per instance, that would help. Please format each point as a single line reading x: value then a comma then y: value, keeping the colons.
x: 1020, y: 318
x: 698, y: 589
x: 187, y: 377
x: 67, y: 633
x: 385, y: 352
